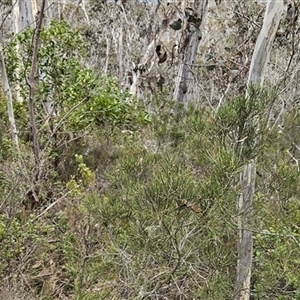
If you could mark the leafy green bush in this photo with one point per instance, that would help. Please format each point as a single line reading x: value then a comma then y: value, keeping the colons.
x: 71, y: 101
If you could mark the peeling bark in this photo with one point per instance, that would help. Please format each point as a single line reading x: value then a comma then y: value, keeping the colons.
x: 185, y: 72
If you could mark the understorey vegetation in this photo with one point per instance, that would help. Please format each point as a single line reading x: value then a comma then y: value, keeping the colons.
x: 122, y: 196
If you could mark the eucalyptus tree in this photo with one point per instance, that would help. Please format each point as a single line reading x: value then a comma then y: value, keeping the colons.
x: 260, y: 58
x: 23, y: 16
x: 193, y: 35
x: 10, y: 108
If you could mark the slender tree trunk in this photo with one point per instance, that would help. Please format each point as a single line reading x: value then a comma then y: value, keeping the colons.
x: 107, y: 54
x: 245, y: 238
x: 190, y: 47
x: 24, y: 13
x: 148, y: 54
x: 120, y: 53
x: 7, y: 91
x: 32, y: 85
x: 259, y: 62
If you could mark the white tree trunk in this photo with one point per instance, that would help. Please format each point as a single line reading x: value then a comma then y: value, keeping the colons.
x: 265, y: 40
x: 259, y: 62
x: 245, y: 238
x: 185, y: 72
x: 24, y: 13
x: 7, y: 91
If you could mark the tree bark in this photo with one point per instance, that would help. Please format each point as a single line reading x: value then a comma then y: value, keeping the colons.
x: 245, y: 238
x: 32, y: 85
x: 258, y: 65
x: 7, y: 91
x: 148, y: 54
x: 190, y: 47
x: 24, y: 13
